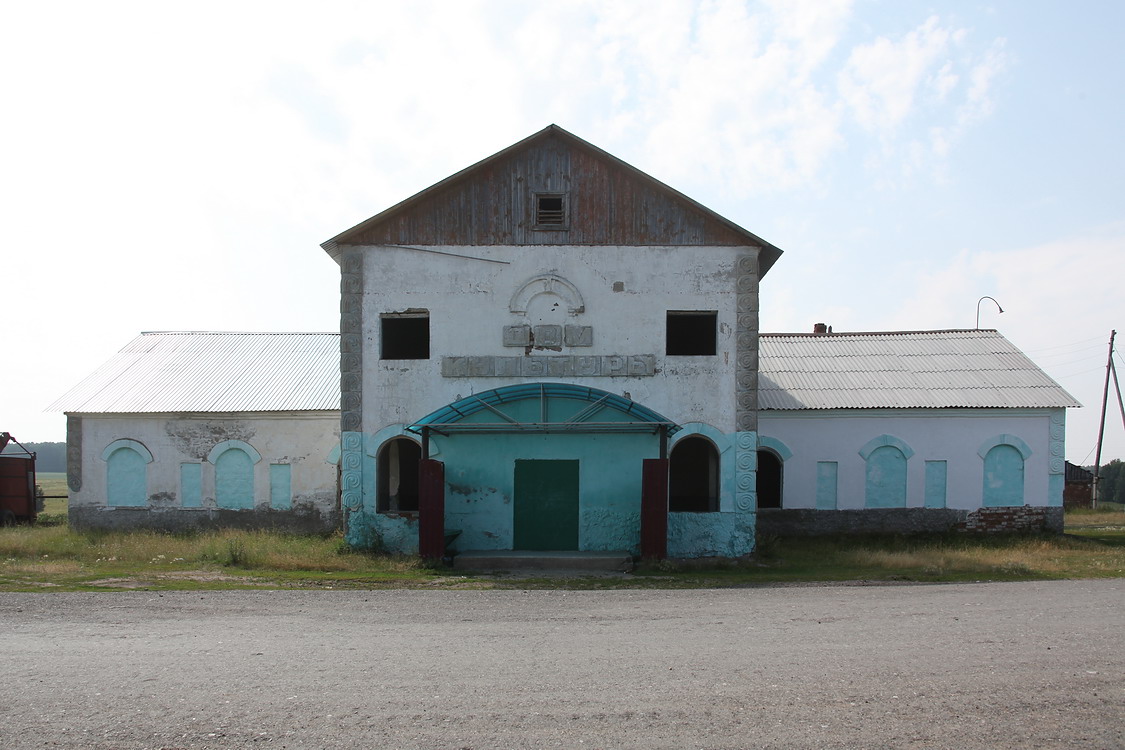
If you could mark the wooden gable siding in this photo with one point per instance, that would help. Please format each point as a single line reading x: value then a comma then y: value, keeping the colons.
x: 493, y: 204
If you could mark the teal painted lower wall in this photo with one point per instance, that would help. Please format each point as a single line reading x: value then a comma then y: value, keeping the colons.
x: 711, y: 534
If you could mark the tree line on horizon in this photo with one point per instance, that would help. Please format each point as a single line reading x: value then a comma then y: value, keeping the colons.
x: 49, y: 457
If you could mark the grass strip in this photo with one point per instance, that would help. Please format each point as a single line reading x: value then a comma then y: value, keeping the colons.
x: 57, y: 558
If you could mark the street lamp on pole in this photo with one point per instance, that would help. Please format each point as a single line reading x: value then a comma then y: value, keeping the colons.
x: 982, y: 299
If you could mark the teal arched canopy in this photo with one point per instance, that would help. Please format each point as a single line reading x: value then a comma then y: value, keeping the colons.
x: 507, y: 410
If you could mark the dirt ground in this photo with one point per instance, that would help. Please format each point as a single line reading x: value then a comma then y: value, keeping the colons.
x: 1008, y: 665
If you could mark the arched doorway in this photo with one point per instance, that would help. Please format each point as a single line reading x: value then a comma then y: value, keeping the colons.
x: 769, y: 479
x: 693, y: 476
x: 397, y: 476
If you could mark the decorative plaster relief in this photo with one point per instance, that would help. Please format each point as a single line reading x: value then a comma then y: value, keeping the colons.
x: 1056, y: 464
x: 548, y: 337
x: 547, y: 283
x: 351, y: 340
x: 517, y: 335
x: 746, y: 343
x: 746, y: 470
x: 562, y: 366
x: 579, y: 336
x: 74, y: 453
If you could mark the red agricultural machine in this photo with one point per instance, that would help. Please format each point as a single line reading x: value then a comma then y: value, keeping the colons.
x: 18, y: 501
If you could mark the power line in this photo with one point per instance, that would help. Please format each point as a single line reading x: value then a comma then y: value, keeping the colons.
x: 1070, y: 343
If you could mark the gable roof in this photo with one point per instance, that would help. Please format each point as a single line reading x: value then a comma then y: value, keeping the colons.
x: 900, y: 370
x: 611, y: 203
x: 191, y: 371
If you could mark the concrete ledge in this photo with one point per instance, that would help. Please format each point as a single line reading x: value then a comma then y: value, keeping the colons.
x: 589, y: 562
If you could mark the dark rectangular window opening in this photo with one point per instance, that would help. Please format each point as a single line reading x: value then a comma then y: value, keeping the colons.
x: 550, y: 211
x: 691, y: 332
x: 405, y: 337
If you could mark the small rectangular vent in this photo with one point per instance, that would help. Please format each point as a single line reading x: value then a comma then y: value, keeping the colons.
x: 550, y: 211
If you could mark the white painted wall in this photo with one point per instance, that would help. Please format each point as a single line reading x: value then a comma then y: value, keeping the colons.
x: 468, y: 305
x: 952, y: 435
x: 303, y: 440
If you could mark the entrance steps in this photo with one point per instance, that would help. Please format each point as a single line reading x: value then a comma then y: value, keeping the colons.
x: 539, y: 560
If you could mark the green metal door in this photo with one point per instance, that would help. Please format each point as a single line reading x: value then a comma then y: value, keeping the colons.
x: 546, y: 505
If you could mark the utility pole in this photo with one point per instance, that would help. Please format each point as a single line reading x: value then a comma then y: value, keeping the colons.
x: 1101, y: 428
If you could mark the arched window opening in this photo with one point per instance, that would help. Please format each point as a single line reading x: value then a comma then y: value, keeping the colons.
x: 397, y: 474
x: 769, y: 480
x: 693, y: 476
x: 1003, y: 477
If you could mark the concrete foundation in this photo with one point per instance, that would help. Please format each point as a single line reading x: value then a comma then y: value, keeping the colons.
x: 302, y: 520
x: 806, y: 522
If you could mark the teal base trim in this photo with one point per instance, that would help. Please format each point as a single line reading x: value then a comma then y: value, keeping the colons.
x: 382, y: 533
x: 711, y: 534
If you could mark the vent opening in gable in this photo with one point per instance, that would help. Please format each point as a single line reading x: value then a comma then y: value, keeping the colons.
x: 550, y: 210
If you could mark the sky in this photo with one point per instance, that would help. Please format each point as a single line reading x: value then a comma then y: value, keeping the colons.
x: 175, y: 166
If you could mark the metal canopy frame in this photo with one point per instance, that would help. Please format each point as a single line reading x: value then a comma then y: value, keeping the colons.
x: 449, y: 419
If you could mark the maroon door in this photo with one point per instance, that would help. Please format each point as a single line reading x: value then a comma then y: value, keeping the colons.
x: 431, y: 509
x: 654, y: 508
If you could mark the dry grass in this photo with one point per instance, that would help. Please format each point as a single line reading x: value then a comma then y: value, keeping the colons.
x: 1039, y: 557
x: 31, y: 547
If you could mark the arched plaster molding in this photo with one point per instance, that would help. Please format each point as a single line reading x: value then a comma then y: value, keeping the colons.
x: 882, y: 440
x: 133, y: 445
x: 547, y: 283
x: 390, y: 432
x: 775, y: 445
x: 721, y: 440
x: 240, y: 445
x: 1011, y: 440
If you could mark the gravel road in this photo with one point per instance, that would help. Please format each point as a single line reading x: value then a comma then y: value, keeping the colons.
x: 999, y: 665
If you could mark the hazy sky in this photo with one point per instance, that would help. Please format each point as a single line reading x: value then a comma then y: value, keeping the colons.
x: 174, y: 166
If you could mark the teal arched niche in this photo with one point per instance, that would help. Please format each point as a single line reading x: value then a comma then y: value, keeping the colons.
x: 126, y: 473
x: 234, y: 474
x: 1004, y: 457
x: 885, y: 460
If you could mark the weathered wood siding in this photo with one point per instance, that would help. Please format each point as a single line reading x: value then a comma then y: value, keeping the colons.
x: 494, y: 204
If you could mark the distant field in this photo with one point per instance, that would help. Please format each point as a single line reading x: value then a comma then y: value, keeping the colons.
x: 53, y: 483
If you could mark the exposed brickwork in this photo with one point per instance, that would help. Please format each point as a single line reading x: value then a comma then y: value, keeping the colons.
x: 1012, y: 520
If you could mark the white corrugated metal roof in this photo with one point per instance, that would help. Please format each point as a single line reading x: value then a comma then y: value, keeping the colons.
x: 254, y: 372
x: 910, y: 369
x: 214, y: 372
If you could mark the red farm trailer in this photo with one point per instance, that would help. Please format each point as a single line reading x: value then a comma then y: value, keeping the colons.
x: 18, y: 502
